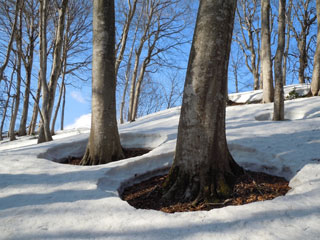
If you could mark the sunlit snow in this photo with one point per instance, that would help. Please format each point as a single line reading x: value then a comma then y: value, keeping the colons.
x: 43, y: 199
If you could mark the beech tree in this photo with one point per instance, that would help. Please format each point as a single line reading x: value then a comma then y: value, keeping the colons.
x: 104, y: 141
x: 305, y: 16
x: 266, y: 63
x: 11, y: 40
x: 50, y: 89
x: 31, y: 20
x: 278, y: 112
x: 248, y: 37
x: 203, y: 168
x: 315, y: 84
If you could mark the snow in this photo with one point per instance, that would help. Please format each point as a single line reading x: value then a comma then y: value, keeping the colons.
x: 43, y: 199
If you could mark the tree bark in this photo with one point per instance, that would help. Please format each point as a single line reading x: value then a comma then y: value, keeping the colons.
x: 203, y: 168
x: 35, y: 111
x: 278, y: 108
x: 104, y: 141
x: 45, y: 122
x: 266, y: 63
x: 315, y: 84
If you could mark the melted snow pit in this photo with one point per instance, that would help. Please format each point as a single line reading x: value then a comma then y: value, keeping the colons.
x: 250, y: 187
x: 128, y: 152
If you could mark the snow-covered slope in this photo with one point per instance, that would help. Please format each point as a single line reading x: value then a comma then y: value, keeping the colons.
x: 43, y: 199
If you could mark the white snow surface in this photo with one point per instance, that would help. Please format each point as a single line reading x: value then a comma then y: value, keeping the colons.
x: 43, y: 199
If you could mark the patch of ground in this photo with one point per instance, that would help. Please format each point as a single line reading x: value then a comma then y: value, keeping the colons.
x: 250, y: 187
x: 128, y: 153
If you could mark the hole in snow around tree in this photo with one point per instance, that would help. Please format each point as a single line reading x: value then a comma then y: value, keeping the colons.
x: 250, y: 187
x: 128, y: 153
x: 134, y: 144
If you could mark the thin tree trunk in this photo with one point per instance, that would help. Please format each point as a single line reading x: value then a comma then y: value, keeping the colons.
x: 104, y: 141
x: 278, y: 109
x: 302, y: 58
x: 137, y: 91
x: 56, y: 68
x: 203, y: 169
x: 315, y: 84
x: 28, y: 64
x: 12, y: 36
x: 55, y: 115
x: 24, y: 117
x: 128, y: 69
x: 268, y: 92
x: 35, y: 111
x: 44, y: 124
x: 286, y: 51
x: 63, y: 106
x: 137, y: 62
x: 18, y: 86
x: 125, y: 31
x: 7, y: 102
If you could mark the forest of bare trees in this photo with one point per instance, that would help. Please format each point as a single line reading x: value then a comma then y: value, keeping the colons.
x: 46, y: 51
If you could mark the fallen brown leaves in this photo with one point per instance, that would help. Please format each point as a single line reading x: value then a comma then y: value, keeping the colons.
x: 251, y: 187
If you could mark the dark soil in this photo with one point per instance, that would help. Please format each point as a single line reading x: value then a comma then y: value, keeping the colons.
x: 251, y: 187
x: 128, y: 153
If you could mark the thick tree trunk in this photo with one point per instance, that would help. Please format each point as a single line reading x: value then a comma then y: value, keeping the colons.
x: 278, y: 109
x: 203, y: 168
x: 315, y: 84
x: 104, y: 141
x: 266, y: 64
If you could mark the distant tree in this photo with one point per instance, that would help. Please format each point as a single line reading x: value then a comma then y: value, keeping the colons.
x: 305, y: 17
x: 315, y: 84
x: 30, y: 12
x: 18, y: 56
x: 287, y: 44
x: 159, y: 35
x: 11, y: 40
x: 266, y: 63
x: 5, y: 106
x: 278, y: 112
x: 50, y: 89
x: 104, y: 141
x: 203, y: 168
x: 248, y: 36
x: 75, y: 47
